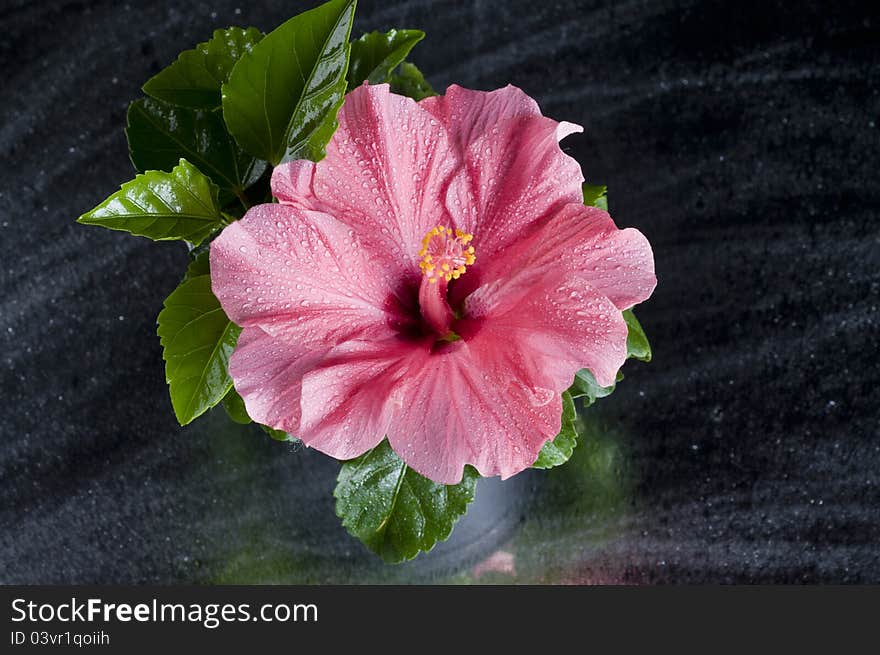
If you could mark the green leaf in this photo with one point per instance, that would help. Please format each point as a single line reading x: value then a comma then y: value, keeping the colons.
x: 277, y: 435
x: 194, y: 79
x: 637, y: 345
x: 586, y: 387
x: 197, y: 339
x: 559, y: 449
x: 409, y: 81
x: 182, y: 204
x: 376, y: 54
x: 596, y: 196
x: 160, y: 134
x: 234, y: 406
x: 199, y: 264
x: 395, y: 511
x: 281, y: 99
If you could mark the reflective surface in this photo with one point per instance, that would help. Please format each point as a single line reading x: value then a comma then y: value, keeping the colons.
x: 741, y: 138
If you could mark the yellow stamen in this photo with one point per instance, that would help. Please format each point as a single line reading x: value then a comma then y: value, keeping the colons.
x: 445, y: 251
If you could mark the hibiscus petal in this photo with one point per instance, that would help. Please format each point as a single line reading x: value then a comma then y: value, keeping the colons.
x: 292, y: 184
x: 514, y: 175
x: 385, y: 173
x: 561, y: 323
x: 267, y: 373
x: 349, y: 400
x: 617, y: 263
x: 586, y: 244
x: 473, y: 403
x: 302, y: 274
x: 468, y: 114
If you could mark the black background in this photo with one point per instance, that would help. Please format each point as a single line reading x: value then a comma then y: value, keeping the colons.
x: 741, y: 138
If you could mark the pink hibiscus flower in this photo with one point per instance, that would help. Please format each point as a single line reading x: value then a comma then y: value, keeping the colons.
x: 436, y: 279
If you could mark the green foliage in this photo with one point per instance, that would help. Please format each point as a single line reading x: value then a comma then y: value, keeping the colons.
x: 376, y: 54
x: 409, y: 81
x: 199, y: 264
x: 281, y: 99
x: 182, y: 204
x: 559, y: 450
x: 234, y: 406
x: 596, y: 196
x: 277, y: 435
x: 160, y: 134
x: 586, y: 387
x: 393, y: 510
x: 194, y: 79
x: 637, y: 345
x: 197, y: 340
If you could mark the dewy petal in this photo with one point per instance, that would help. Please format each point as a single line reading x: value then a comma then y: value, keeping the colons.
x: 385, y: 174
x: 349, y: 400
x: 514, y: 176
x: 583, y: 242
x: 303, y: 275
x: 473, y: 403
x: 292, y: 184
x: 468, y: 114
x: 562, y: 323
x: 267, y: 373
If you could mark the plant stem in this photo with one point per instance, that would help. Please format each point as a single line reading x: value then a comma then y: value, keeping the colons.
x: 244, y: 201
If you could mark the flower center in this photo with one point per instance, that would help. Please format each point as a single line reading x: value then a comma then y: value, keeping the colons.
x: 445, y: 255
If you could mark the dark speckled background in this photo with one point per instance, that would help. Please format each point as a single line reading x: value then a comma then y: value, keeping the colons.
x: 741, y: 137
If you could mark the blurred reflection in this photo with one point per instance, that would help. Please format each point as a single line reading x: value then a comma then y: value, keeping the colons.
x: 581, y: 506
x: 275, y: 523
x: 573, y: 511
x: 501, y: 561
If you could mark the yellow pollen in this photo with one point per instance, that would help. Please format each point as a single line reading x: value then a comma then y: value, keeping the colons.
x: 445, y: 251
